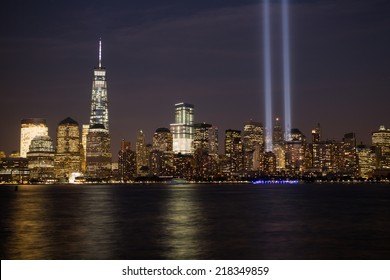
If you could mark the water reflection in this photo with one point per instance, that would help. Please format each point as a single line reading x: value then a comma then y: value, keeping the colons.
x: 182, y: 224
x: 28, y: 227
x: 195, y: 222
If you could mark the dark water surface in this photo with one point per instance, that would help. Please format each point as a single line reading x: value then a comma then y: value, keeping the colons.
x: 195, y: 222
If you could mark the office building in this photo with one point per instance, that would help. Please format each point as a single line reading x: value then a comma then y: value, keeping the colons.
x: 29, y: 129
x: 41, y: 159
x: 126, y: 162
x: 69, y: 153
x: 233, y: 151
x: 141, y: 154
x: 98, y: 150
x: 183, y: 129
x: 252, y: 139
x: 381, y: 142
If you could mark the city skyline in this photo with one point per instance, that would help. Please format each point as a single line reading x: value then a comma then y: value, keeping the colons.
x: 343, y: 84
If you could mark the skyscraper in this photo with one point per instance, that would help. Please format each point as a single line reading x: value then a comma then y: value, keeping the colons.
x: 277, y: 136
x: 161, y: 156
x: 213, y: 141
x: 316, y: 147
x: 141, y: 153
x: 68, y: 156
x: 295, y: 152
x: 29, y: 129
x: 251, y: 138
x: 98, y: 154
x: 162, y: 140
x: 183, y: 130
x: 201, y: 136
x: 205, y: 146
x: 99, y: 104
x: 41, y: 159
x: 381, y: 142
x: 349, y: 156
x: 233, y: 151
x: 126, y: 162
x: 84, y: 134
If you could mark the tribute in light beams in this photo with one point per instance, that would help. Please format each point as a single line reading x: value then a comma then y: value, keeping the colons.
x: 267, y: 76
x: 286, y: 71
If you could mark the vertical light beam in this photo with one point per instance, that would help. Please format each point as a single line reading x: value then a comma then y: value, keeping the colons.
x: 286, y: 70
x: 267, y: 76
x: 100, y: 52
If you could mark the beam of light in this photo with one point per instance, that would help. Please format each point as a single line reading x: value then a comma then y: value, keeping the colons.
x: 286, y: 71
x: 100, y: 52
x: 267, y: 76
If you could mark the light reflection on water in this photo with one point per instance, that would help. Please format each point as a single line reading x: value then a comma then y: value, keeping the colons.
x: 182, y: 225
x: 195, y: 222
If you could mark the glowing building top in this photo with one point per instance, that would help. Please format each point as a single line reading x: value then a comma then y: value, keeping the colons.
x: 183, y: 128
x: 99, y: 104
x: 29, y: 129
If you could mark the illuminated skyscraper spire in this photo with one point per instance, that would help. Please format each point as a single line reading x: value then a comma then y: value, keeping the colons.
x: 98, y: 150
x: 99, y: 102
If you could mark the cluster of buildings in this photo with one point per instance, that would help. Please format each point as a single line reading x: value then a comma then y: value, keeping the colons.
x: 190, y: 151
x: 177, y: 152
x: 186, y: 150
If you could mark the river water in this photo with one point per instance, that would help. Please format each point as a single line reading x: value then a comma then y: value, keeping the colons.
x: 202, y: 221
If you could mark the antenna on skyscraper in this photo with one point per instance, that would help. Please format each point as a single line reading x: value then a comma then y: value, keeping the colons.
x: 100, y: 52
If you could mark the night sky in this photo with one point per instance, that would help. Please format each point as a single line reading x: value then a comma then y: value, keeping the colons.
x: 204, y: 52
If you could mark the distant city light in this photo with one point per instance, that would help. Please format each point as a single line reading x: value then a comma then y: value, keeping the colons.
x: 264, y: 182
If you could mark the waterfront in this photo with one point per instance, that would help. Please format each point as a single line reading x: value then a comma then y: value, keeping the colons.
x: 302, y: 221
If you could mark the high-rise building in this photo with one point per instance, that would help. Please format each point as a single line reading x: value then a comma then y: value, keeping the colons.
x: 98, y: 164
x: 381, y: 142
x: 295, y: 152
x: 161, y: 155
x: 141, y: 153
x: 98, y: 150
x: 162, y: 140
x: 349, y: 165
x: 84, y: 134
x: 366, y: 160
x: 205, y: 151
x: 278, y: 147
x: 277, y: 133
x: 183, y: 129
x: 252, y: 137
x: 126, y: 162
x: 316, y: 147
x: 233, y: 151
x: 99, y: 104
x: 29, y: 129
x: 68, y: 157
x: 201, y: 136
x: 41, y: 159
x: 213, y: 141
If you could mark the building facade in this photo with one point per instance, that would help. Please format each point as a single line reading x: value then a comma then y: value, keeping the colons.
x: 98, y: 150
x: 41, y: 159
x: 233, y: 152
x: 381, y: 142
x: 29, y: 129
x: 126, y: 162
x: 69, y: 153
x: 252, y: 140
x: 183, y: 129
